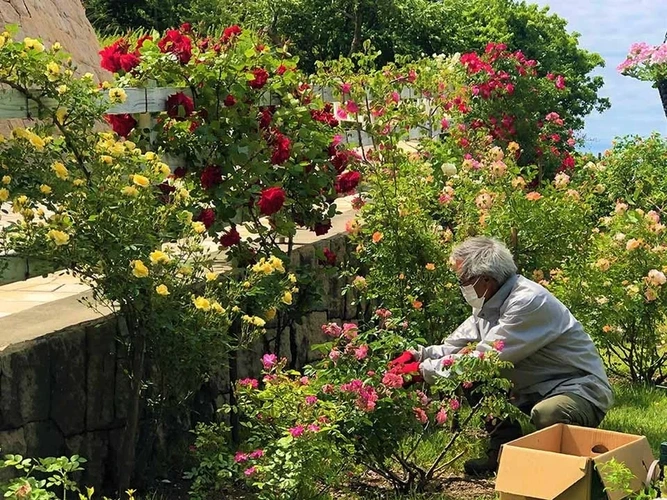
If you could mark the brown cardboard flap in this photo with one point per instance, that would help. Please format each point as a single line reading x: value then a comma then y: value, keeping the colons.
x: 637, y: 456
x: 538, y: 474
x: 548, y: 439
x: 587, y: 442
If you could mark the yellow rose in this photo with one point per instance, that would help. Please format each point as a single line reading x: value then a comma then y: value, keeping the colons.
x: 45, y: 189
x: 246, y: 284
x: 21, y: 200
x: 78, y: 182
x: 236, y: 309
x: 513, y: 147
x: 257, y: 321
x: 158, y: 257
x: 56, y: 47
x: 518, y: 183
x: 106, y: 85
x: 61, y: 114
x: 292, y: 278
x: 216, y: 307
x: 430, y: 266
x: 52, y: 71
x: 599, y: 189
x: 32, y: 44
x: 117, y: 95
x: 4, y: 195
x: 270, y: 314
x: 140, y: 180
x: 202, y: 303
x: 60, y: 238
x: 163, y: 168
x: 129, y: 191
x: 37, y: 142
x: 60, y: 170
x: 106, y: 159
x: 139, y: 269
x: 287, y: 298
x: 277, y: 264
x: 62, y: 89
x: 150, y: 156
x: 211, y: 276
x: 6, y: 179
x: 633, y: 244
x: 3, y: 40
x: 603, y: 264
x: 162, y: 290
x: 198, y: 227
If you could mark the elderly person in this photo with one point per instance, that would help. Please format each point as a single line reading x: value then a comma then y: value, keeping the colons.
x: 557, y: 374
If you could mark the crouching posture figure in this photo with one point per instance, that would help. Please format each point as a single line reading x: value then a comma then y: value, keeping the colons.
x: 557, y: 374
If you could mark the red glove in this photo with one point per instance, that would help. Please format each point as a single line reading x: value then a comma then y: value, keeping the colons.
x: 406, y: 357
x: 412, y: 370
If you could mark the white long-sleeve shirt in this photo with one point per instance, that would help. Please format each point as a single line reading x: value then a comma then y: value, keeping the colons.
x: 550, y: 351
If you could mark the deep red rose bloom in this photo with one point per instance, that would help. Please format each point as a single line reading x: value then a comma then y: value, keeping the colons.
x: 229, y: 101
x: 110, y: 56
x: 322, y: 228
x: 179, y: 173
x: 261, y: 77
x: 281, y: 149
x: 180, y: 106
x: 281, y: 70
x: 211, y: 176
x: 230, y: 32
x: 166, y: 188
x: 265, y: 117
x: 128, y: 62
x: 343, y: 158
x: 347, y: 182
x: 330, y: 257
x: 230, y: 238
x: 207, y: 216
x: 178, y: 44
x: 121, y: 124
x: 186, y: 27
x: 271, y: 200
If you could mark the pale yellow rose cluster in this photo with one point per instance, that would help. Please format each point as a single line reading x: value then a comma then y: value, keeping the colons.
x: 204, y: 304
x: 253, y: 320
x: 273, y: 264
x: 37, y: 142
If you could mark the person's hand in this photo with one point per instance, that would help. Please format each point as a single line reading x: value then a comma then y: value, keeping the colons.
x: 404, y: 358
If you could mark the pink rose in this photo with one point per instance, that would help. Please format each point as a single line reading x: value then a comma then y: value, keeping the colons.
x: 393, y: 380
x: 257, y: 454
x: 250, y: 471
x: 297, y: 431
x: 454, y: 404
x: 269, y: 361
x: 334, y: 355
x: 240, y: 457
x: 361, y: 352
x: 441, y: 417
x: 420, y: 415
x: 314, y: 428
x: 311, y: 400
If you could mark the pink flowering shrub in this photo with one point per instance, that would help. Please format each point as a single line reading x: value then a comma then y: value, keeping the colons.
x: 645, y: 62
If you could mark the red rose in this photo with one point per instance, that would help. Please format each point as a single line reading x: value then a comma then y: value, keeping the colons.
x: 347, y: 182
x: 265, y: 117
x: 180, y: 106
x: 178, y: 44
x: 128, y: 62
x: 281, y: 149
x: 121, y: 124
x: 343, y: 158
x: 230, y: 32
x: 211, y: 176
x: 330, y: 257
x: 322, y: 228
x: 179, y: 173
x: 115, y: 58
x: 186, y: 27
x: 281, y: 70
x: 229, y: 101
x: 271, y: 200
x: 261, y: 77
x: 230, y: 238
x: 207, y: 216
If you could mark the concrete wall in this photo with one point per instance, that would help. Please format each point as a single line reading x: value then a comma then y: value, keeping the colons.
x: 63, y: 390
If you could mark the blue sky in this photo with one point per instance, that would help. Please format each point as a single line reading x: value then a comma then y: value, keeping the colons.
x: 609, y: 27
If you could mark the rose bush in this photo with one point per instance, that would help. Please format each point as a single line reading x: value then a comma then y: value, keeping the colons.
x: 350, y: 414
x: 254, y: 139
x: 116, y: 217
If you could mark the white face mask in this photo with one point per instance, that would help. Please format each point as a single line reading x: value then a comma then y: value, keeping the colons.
x: 470, y: 295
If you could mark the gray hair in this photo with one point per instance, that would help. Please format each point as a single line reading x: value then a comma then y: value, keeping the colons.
x: 482, y: 256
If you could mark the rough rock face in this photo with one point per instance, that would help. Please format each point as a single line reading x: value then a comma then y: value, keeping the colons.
x: 61, y: 21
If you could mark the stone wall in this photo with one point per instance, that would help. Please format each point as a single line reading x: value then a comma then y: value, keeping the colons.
x: 65, y: 392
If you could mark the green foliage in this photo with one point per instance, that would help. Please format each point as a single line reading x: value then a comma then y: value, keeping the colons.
x: 43, y: 479
x: 322, y: 30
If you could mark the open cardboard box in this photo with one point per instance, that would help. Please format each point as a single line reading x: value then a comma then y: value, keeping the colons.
x: 559, y: 463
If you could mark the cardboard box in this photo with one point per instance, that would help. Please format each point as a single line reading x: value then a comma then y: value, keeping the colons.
x: 559, y: 463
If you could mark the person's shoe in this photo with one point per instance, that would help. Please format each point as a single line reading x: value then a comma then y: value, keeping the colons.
x: 483, y: 467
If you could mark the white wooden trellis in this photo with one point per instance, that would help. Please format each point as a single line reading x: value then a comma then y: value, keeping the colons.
x: 146, y: 101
